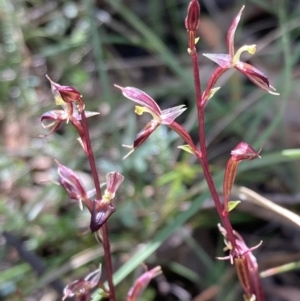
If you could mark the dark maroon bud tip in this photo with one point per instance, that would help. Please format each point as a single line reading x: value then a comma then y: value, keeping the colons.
x: 101, y: 212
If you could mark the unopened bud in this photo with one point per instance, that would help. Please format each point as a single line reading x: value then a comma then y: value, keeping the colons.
x: 62, y: 94
x: 141, y: 283
x: 244, y: 151
x: 71, y: 182
x: 192, y: 19
x: 100, y: 213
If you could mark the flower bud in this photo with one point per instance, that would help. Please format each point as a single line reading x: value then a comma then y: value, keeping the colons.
x: 100, y: 213
x: 193, y: 13
x: 141, y: 283
x: 71, y: 182
x: 113, y: 182
x: 62, y: 94
x: 81, y: 289
x: 244, y: 151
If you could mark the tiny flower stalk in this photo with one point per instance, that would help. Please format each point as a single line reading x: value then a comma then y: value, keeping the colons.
x: 242, y: 151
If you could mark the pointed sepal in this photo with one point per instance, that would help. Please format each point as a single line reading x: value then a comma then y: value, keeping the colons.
x: 63, y: 94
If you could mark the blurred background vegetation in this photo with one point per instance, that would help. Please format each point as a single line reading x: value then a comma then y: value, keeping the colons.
x: 164, y: 213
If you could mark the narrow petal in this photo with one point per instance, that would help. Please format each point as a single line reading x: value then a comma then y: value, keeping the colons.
x: 62, y: 94
x: 223, y: 60
x: 113, y: 182
x: 169, y: 115
x: 141, y: 98
x: 59, y: 115
x: 256, y: 76
x: 88, y: 114
x: 71, y: 182
x: 231, y: 32
x: 54, y: 126
x: 142, y: 136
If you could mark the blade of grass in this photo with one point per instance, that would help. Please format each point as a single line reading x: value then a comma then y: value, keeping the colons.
x: 286, y: 74
x: 154, y: 43
x: 97, y: 44
x: 185, y: 272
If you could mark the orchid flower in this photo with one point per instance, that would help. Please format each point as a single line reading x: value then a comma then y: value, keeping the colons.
x: 100, y: 210
x: 232, y: 60
x: 149, y: 105
x: 67, y: 97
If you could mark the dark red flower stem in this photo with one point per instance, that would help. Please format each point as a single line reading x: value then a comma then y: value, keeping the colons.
x: 104, y: 228
x: 202, y: 155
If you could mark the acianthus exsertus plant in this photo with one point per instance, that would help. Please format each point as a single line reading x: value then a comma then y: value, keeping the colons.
x: 99, y: 202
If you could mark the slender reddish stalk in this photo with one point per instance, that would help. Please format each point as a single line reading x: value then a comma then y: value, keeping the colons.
x: 203, y: 151
x: 104, y: 228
